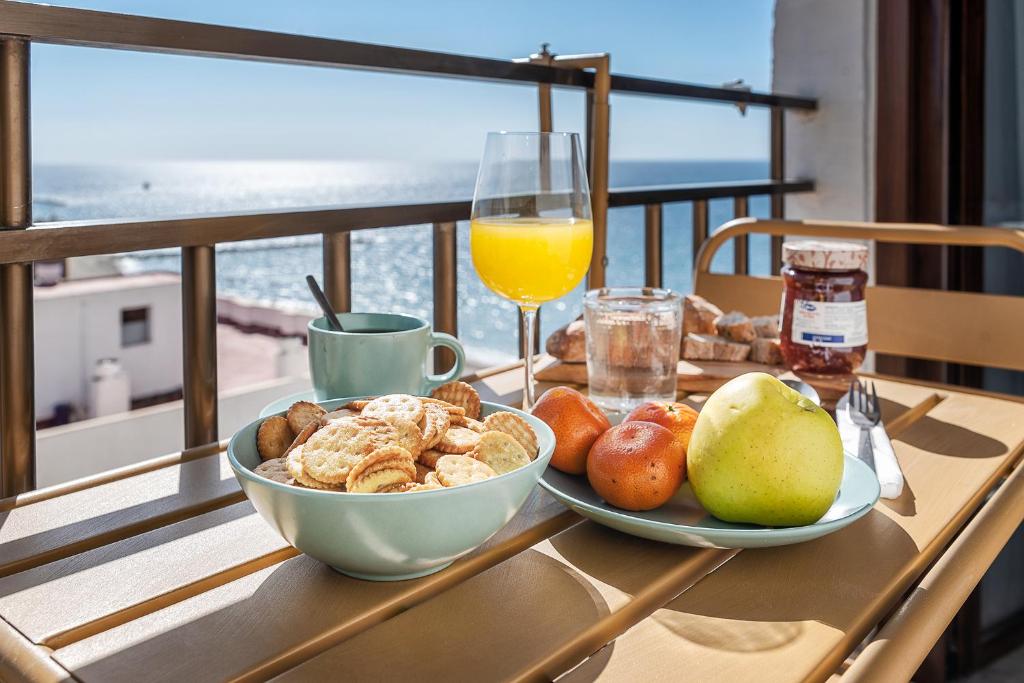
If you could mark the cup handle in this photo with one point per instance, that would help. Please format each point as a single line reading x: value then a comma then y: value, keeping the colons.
x: 449, y: 342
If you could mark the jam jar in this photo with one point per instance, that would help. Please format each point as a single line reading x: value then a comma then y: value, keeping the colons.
x: 824, y: 315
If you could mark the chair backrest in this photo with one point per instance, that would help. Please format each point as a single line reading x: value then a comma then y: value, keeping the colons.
x: 956, y: 327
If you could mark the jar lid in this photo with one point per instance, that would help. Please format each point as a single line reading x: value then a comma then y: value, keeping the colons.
x: 821, y: 255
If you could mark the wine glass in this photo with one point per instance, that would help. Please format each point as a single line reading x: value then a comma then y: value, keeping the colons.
x: 531, y: 231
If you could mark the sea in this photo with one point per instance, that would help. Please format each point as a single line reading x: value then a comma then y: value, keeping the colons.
x: 391, y: 268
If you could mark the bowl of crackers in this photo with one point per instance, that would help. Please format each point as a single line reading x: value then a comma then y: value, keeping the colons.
x: 391, y: 487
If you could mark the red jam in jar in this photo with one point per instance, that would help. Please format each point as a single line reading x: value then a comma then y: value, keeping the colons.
x: 824, y: 315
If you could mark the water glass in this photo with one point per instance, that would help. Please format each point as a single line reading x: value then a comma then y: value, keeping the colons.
x: 633, y: 336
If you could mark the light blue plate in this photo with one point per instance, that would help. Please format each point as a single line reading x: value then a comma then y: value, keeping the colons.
x: 684, y: 522
x: 387, y: 537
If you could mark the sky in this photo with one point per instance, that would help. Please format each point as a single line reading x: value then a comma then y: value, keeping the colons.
x: 114, y: 106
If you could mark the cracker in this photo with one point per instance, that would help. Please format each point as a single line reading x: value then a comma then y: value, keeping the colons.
x: 421, y: 472
x: 459, y: 394
x: 469, y: 423
x: 273, y: 437
x: 458, y: 440
x: 336, y: 415
x: 516, y: 427
x: 334, y: 450
x: 452, y: 410
x: 430, y: 456
x: 301, y: 414
x: 434, y: 424
x: 304, y: 435
x: 455, y: 470
x: 358, y: 404
x: 275, y: 470
x: 425, y: 486
x: 383, y: 468
x: 296, y: 465
x: 500, y: 452
x: 403, y: 487
x: 407, y: 434
x: 395, y: 405
x: 432, y: 481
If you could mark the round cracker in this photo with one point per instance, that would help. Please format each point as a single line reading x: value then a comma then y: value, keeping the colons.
x: 273, y: 437
x: 301, y: 414
x: 469, y: 423
x: 430, y: 456
x: 395, y: 406
x: 275, y: 470
x: 384, y: 468
x: 425, y: 486
x: 516, y: 427
x: 304, y: 435
x: 403, y: 487
x: 458, y: 440
x: 459, y: 394
x: 407, y: 434
x: 296, y: 466
x: 455, y: 470
x: 434, y: 424
x: 421, y: 472
x: 336, y: 415
x: 454, y: 411
x: 334, y: 450
x: 500, y: 452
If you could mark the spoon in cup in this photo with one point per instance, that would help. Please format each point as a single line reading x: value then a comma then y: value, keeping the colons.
x: 324, y: 304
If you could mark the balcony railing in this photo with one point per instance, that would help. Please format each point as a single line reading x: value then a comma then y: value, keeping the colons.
x: 22, y: 242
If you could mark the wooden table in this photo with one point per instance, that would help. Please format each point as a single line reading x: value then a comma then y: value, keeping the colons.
x: 163, y: 571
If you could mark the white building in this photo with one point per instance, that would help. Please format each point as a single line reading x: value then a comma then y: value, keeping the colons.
x: 134, y: 319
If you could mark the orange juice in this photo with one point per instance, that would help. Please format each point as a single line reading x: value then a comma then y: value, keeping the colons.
x: 531, y: 260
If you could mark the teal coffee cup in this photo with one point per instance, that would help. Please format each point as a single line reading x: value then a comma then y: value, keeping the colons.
x: 378, y: 353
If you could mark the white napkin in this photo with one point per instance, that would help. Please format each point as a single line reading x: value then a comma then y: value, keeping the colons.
x: 890, y: 476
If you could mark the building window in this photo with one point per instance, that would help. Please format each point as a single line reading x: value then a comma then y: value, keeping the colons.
x: 134, y: 326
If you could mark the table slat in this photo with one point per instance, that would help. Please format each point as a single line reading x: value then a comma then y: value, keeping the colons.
x: 41, y: 532
x: 267, y: 621
x: 98, y: 589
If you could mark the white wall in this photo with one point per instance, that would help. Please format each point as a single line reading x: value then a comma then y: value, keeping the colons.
x: 92, y: 446
x: 78, y: 323
x: 826, y: 49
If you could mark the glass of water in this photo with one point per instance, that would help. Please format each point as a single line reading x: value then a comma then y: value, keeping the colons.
x: 633, y: 338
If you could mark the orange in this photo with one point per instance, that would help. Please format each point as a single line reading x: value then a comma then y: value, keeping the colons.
x: 576, y: 422
x: 636, y: 466
x: 678, y: 418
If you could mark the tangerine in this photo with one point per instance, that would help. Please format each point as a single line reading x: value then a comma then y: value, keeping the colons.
x: 636, y: 466
x: 577, y: 423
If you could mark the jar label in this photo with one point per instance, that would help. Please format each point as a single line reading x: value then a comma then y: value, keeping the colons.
x: 830, y: 323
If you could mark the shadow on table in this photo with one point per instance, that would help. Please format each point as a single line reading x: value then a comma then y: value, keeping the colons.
x: 811, y: 581
x: 944, y: 438
x: 496, y: 619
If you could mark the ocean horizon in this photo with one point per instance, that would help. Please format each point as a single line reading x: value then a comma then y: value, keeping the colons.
x: 391, y: 267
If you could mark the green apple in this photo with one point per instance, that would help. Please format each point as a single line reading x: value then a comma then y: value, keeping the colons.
x: 763, y: 453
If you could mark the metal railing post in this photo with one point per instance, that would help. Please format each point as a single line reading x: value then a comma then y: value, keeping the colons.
x: 778, y: 172
x: 545, y: 119
x: 337, y: 255
x: 652, y: 245
x: 700, y: 224
x: 199, y: 350
x: 598, y: 131
x: 741, y: 245
x: 17, y: 357
x: 445, y: 290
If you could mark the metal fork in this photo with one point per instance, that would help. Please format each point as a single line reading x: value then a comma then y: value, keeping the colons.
x: 865, y: 413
